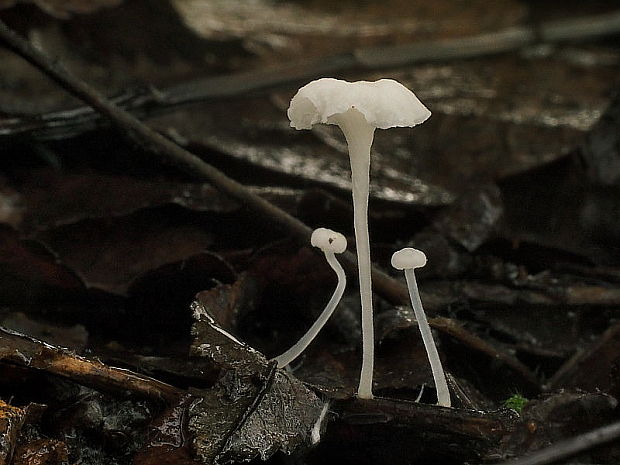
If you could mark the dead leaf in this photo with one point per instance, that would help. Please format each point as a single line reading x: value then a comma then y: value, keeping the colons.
x: 254, y: 409
x: 50, y: 198
x: 109, y: 254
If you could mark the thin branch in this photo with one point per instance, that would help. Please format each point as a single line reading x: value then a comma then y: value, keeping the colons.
x: 452, y: 328
x: 489, y: 427
x: 19, y: 349
x: 570, y: 447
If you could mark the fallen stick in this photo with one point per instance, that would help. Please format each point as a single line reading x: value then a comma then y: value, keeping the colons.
x: 21, y: 350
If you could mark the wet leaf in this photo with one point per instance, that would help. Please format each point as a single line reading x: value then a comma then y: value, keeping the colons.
x: 276, y: 414
x: 459, y: 230
x: 168, y: 443
x: 222, y: 347
x: 254, y: 409
x: 228, y: 302
x: 484, y: 127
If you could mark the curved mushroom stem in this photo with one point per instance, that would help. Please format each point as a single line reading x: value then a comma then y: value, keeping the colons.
x: 294, y: 352
x: 359, y: 135
x: 443, y: 394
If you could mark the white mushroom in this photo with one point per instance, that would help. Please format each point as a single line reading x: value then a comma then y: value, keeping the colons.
x: 358, y: 108
x: 408, y: 259
x: 331, y: 243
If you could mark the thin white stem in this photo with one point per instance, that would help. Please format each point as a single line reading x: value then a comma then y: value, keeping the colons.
x: 443, y: 394
x: 294, y: 352
x: 359, y: 135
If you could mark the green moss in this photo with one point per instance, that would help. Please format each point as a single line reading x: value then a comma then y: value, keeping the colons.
x: 515, y: 402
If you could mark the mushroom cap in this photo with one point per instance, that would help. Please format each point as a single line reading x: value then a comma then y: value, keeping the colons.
x: 328, y: 240
x: 408, y: 258
x: 384, y: 103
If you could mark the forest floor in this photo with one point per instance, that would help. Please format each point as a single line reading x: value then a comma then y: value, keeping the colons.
x: 146, y: 282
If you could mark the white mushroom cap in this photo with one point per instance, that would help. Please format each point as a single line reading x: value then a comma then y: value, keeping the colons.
x: 384, y: 103
x: 328, y: 240
x: 408, y: 258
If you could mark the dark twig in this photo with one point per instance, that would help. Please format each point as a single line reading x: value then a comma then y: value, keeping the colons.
x: 570, y: 447
x: 484, y: 426
x: 172, y: 154
x: 451, y: 327
x: 22, y: 350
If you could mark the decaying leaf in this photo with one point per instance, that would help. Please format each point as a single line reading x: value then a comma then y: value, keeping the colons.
x: 254, y: 409
x: 110, y: 254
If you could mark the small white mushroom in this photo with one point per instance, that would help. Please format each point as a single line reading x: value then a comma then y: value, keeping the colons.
x: 358, y: 108
x: 331, y: 243
x: 408, y: 259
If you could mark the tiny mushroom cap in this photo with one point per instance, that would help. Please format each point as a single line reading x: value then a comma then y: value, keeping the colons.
x: 384, y: 103
x: 408, y: 258
x: 328, y: 240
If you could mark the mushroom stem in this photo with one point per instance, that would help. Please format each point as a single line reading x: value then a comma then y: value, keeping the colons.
x: 294, y: 352
x: 359, y: 134
x: 443, y: 394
